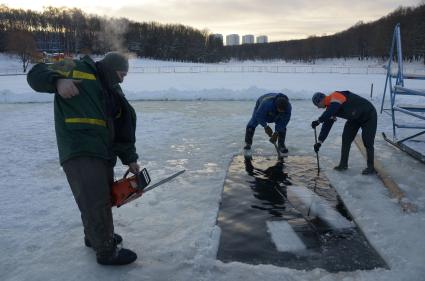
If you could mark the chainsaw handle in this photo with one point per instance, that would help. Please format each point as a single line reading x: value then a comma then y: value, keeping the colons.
x: 143, y: 178
x: 126, y: 173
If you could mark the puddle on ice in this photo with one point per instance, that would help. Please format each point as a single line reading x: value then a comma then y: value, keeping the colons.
x: 284, y: 214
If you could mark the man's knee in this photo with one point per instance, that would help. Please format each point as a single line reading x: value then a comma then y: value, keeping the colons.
x: 368, y: 144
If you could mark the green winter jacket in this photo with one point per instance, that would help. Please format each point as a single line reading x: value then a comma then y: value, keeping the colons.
x: 81, y: 123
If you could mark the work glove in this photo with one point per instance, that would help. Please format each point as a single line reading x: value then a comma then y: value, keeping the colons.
x: 315, y: 123
x: 273, y: 139
x: 268, y: 131
x: 317, y: 146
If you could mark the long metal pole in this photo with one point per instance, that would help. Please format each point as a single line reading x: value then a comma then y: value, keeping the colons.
x: 317, y: 153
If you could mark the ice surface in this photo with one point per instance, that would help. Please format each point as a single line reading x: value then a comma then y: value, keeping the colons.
x: 173, y: 228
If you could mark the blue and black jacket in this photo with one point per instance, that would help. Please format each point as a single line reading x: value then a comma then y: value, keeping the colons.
x: 346, y: 105
x: 265, y: 111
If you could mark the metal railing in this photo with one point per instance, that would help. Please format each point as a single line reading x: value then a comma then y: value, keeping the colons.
x: 260, y: 68
x: 269, y: 69
x: 11, y: 72
x: 250, y: 69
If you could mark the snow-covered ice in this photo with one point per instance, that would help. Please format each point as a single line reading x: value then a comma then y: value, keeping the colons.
x: 317, y: 206
x: 284, y: 237
x: 173, y: 228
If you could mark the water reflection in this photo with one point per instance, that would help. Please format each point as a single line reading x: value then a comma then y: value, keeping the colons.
x: 263, y: 184
x: 261, y: 190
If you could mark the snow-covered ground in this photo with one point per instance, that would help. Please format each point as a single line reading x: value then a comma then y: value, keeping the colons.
x: 173, y: 228
x: 226, y: 84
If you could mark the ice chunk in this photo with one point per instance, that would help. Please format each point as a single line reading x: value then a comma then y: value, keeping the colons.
x: 284, y: 237
x: 311, y: 204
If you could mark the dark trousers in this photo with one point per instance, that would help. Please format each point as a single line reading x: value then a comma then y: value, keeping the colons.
x: 368, y: 136
x: 90, y: 180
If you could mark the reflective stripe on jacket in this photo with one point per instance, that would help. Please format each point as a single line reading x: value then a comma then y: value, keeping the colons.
x: 81, y: 124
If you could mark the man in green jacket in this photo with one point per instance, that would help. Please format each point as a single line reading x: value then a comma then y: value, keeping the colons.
x: 94, y: 125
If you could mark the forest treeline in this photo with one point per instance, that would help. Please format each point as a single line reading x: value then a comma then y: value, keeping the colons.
x: 73, y: 31
x: 363, y: 40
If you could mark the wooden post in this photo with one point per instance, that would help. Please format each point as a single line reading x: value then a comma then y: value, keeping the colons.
x: 393, y: 188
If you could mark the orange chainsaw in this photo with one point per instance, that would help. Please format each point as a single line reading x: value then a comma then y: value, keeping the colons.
x: 126, y: 189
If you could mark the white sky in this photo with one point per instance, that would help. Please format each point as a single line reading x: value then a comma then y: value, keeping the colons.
x: 278, y: 19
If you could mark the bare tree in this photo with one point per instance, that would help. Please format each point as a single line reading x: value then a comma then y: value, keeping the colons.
x: 23, y: 45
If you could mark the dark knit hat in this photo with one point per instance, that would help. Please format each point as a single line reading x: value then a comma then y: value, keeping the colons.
x: 115, y: 61
x: 281, y: 103
x: 317, y: 98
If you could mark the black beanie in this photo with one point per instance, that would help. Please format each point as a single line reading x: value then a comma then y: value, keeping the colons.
x: 281, y: 102
x: 115, y: 61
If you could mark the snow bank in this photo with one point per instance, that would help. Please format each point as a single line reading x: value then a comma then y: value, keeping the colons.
x: 214, y: 85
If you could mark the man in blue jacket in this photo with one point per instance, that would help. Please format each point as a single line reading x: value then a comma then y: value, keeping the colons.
x: 270, y: 108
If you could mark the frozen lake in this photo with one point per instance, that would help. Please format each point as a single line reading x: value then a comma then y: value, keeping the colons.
x: 173, y: 228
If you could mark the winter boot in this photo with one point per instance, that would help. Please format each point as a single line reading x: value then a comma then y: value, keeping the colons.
x: 283, y: 150
x: 249, y: 134
x: 117, y: 257
x: 247, y: 151
x: 340, y: 168
x: 369, y: 171
x: 117, y: 240
x: 281, y: 141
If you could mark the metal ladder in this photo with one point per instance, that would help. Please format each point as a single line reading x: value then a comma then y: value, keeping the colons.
x: 395, y: 83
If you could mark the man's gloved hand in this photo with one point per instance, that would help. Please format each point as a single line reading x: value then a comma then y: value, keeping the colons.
x: 134, y: 168
x: 273, y: 139
x: 268, y: 131
x: 315, y: 123
x: 317, y: 146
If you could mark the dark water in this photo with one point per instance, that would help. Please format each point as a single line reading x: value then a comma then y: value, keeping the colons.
x: 261, y: 190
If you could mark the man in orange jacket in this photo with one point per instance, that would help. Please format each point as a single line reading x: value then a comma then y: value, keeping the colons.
x: 358, y: 112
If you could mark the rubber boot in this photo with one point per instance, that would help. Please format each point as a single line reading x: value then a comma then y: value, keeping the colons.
x: 370, y: 155
x: 281, y: 142
x: 116, y: 257
x: 345, y: 152
x: 340, y: 168
x: 369, y: 171
x: 117, y: 240
x: 249, y: 135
